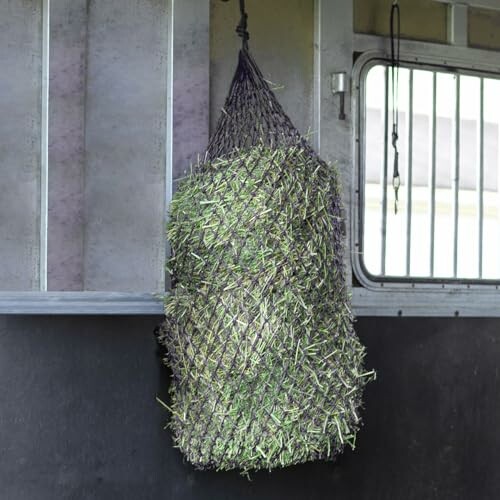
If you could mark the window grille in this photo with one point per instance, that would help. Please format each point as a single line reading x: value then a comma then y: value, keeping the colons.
x: 447, y: 228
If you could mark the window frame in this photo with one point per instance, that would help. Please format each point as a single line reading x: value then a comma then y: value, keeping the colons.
x: 387, y: 296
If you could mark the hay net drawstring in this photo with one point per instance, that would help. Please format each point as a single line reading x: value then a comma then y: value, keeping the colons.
x: 251, y: 115
x: 266, y: 368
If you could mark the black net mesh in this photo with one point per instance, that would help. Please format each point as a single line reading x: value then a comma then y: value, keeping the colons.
x: 266, y: 368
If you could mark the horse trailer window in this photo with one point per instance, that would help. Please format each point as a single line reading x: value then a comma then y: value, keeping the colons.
x: 447, y: 224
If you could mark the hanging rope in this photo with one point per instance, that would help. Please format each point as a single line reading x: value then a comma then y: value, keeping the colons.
x: 395, y: 62
x: 241, y: 29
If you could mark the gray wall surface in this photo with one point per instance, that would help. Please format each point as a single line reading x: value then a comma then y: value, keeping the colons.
x: 107, y: 151
x: 125, y: 134
x: 107, y: 145
x: 191, y: 74
x: 68, y: 64
x: 20, y: 133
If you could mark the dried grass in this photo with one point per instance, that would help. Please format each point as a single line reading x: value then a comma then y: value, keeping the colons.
x: 267, y: 371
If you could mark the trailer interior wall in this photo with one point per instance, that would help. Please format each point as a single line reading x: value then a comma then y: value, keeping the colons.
x: 20, y: 133
x: 79, y: 418
x: 420, y: 19
x: 484, y: 28
x: 78, y: 415
x: 426, y: 20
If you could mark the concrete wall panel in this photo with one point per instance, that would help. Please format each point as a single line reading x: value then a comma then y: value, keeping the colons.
x: 68, y: 40
x: 124, y: 247
x: 20, y: 137
x: 191, y: 76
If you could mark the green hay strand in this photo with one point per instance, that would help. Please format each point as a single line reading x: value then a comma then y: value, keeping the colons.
x: 267, y: 371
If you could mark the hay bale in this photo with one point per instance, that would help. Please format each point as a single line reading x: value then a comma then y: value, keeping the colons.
x: 267, y: 371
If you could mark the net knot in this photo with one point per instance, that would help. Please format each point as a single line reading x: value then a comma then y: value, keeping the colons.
x: 241, y: 29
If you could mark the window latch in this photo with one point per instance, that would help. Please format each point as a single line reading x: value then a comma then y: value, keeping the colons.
x: 339, y: 86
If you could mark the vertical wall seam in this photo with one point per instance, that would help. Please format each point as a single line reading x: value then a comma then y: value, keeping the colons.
x: 317, y: 76
x: 84, y: 146
x: 169, y: 128
x: 44, y: 146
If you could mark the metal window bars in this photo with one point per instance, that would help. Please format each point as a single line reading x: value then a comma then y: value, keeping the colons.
x: 457, y: 166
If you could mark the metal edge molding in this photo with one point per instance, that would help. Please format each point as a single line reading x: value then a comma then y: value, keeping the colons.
x: 423, y: 303
x: 54, y: 303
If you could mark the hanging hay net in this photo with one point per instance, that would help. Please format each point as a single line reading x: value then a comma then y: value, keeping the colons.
x: 266, y: 368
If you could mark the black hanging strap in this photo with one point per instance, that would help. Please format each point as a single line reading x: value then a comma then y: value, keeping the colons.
x: 241, y: 29
x: 395, y: 62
